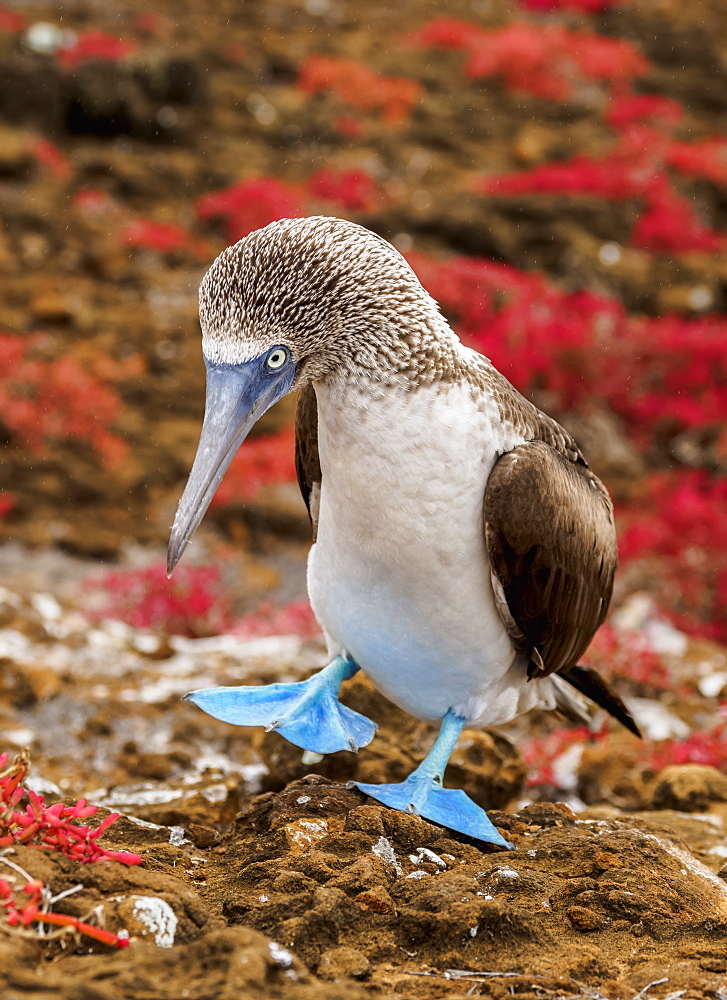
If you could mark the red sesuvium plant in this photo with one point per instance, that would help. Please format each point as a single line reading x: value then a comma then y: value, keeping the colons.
x: 703, y: 746
x: 295, y: 618
x: 95, y: 46
x: 33, y: 909
x: 636, y: 167
x: 549, y: 60
x: 51, y: 157
x: 678, y: 523
x: 355, y: 84
x: 623, y: 655
x: 11, y: 21
x: 660, y: 375
x: 631, y: 109
x: 262, y: 461
x: 707, y: 159
x: 251, y: 204
x: 44, y: 401
x: 193, y: 603
x: 353, y: 190
x: 587, y: 6
x: 162, y: 238
x: 26, y: 819
x: 541, y: 753
x: 669, y: 224
x: 94, y: 202
x: 631, y: 168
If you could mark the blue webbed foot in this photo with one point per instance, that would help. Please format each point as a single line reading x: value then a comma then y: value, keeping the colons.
x: 422, y: 792
x: 450, y: 807
x: 306, y: 713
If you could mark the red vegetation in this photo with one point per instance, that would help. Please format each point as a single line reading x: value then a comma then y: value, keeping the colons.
x: 634, y: 168
x: 11, y: 21
x: 95, y: 45
x: 260, y: 462
x: 43, y: 401
x: 707, y: 159
x: 631, y: 109
x: 679, y: 523
x: 51, y: 157
x: 700, y: 747
x: 670, y: 224
x: 193, y: 603
x: 7, y: 504
x: 152, y: 23
x: 92, y: 201
x: 659, y: 375
x: 545, y: 60
x: 162, y: 237
x: 541, y: 755
x: 353, y: 83
x: 250, y: 205
x: 588, y: 6
x: 55, y: 827
x: 630, y: 169
x: 624, y: 656
x: 296, y: 618
x: 353, y: 190
x: 33, y: 911
x: 352, y: 128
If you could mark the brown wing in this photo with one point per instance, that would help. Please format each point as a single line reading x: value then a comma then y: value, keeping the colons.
x: 552, y: 545
x: 307, y: 463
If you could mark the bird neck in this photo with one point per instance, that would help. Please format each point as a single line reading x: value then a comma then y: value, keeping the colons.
x: 400, y: 351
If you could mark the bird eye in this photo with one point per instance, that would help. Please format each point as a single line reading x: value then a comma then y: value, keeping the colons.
x: 277, y: 358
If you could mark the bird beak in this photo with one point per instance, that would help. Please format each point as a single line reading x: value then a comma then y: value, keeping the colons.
x: 237, y: 396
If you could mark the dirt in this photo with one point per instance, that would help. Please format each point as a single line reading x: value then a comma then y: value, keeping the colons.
x: 267, y: 876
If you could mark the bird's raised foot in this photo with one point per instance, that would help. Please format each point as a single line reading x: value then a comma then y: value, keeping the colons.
x: 450, y: 807
x: 307, y: 713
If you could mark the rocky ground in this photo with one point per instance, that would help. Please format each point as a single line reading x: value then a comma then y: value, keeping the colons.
x: 262, y: 875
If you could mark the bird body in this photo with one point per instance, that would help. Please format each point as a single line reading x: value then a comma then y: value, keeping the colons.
x: 463, y: 551
x: 399, y: 575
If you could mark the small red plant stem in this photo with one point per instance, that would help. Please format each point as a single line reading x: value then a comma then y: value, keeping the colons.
x: 97, y: 933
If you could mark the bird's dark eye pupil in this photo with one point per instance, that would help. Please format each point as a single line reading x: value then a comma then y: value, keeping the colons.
x: 277, y: 358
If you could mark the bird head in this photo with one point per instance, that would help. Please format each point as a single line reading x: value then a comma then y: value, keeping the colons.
x: 297, y: 301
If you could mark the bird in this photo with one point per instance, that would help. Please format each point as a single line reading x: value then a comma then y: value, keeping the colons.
x: 463, y: 551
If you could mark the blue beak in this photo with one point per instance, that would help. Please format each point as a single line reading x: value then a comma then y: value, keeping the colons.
x: 237, y: 396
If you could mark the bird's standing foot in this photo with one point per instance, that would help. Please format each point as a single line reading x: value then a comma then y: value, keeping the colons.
x: 306, y: 713
x: 422, y: 792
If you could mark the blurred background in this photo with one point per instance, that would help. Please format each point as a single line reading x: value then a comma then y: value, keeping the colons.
x: 556, y: 173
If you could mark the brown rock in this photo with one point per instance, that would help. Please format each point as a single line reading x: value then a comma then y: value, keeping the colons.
x: 376, y: 899
x: 301, y: 834
x: 203, y: 836
x: 341, y: 963
x: 689, y: 787
x: 584, y: 919
x: 604, y: 860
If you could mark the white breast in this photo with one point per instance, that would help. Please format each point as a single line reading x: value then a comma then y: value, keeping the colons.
x: 399, y: 576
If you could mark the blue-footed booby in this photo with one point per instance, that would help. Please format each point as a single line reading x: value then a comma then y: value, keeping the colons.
x: 463, y: 552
